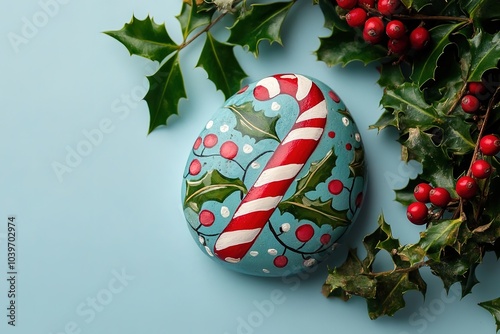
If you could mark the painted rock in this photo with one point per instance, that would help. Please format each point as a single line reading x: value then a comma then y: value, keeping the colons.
x: 275, y: 177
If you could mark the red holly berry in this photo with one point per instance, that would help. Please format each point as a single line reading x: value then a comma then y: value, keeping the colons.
x: 373, y: 30
x: 280, y: 261
x: 481, y: 169
x: 477, y: 88
x: 490, y: 145
x: 421, y: 192
x: 466, y: 187
x: 388, y: 7
x: 304, y: 232
x: 470, y: 104
x: 366, y: 3
x: 356, y: 17
x: 395, y: 29
x: 417, y: 213
x: 419, y: 38
x: 439, y: 197
x: 347, y: 4
x: 398, y: 46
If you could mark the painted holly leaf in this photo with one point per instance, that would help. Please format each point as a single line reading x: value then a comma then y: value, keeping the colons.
x: 357, y: 165
x: 213, y: 186
x: 261, y: 22
x: 437, y: 236
x: 318, y: 173
x: 222, y: 67
x: 348, y: 280
x: 145, y: 38
x: 389, y: 294
x: 318, y: 212
x: 254, y: 124
x: 485, y: 50
x: 190, y: 18
x: 332, y: 18
x: 343, y: 48
x: 425, y: 66
x: 493, y: 306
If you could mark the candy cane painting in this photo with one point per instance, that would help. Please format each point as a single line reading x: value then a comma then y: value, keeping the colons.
x: 275, y: 178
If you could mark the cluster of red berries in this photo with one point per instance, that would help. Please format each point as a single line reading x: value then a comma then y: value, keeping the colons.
x: 466, y: 186
x: 375, y: 20
x: 471, y: 102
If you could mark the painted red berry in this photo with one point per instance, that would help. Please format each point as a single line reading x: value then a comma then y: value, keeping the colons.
x: 197, y: 143
x: 280, y: 261
x: 356, y: 17
x: 366, y: 3
x: 481, y: 169
x: 419, y: 38
x: 470, y: 104
x: 335, y: 187
x: 206, y: 218
x: 490, y: 145
x: 210, y: 140
x: 229, y: 150
x: 395, y: 29
x: 417, y: 213
x: 421, y: 192
x: 477, y: 89
x: 347, y: 4
x: 195, y: 167
x: 398, y: 46
x: 439, y: 197
x: 304, y: 232
x: 325, y: 239
x: 466, y: 187
x: 388, y: 7
x: 373, y: 30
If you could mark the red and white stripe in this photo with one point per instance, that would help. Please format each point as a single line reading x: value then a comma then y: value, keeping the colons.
x: 284, y: 165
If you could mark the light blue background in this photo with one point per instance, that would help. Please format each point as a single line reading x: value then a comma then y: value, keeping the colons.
x: 118, y: 211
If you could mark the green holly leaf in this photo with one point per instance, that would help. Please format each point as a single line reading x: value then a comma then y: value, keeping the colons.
x: 457, y: 138
x: 254, y: 124
x: 190, y: 18
x: 318, y: 212
x: 389, y: 294
x: 145, y: 38
x: 493, y: 306
x: 332, y: 18
x: 437, y: 236
x: 166, y: 88
x: 485, y: 50
x: 385, y: 120
x: 372, y: 242
x: 261, y: 22
x: 222, y: 67
x: 344, y: 48
x: 318, y: 173
x: 405, y: 195
x: 213, y: 186
x: 391, y: 76
x: 348, y: 280
x: 425, y: 66
x: 435, y: 162
x: 412, y: 253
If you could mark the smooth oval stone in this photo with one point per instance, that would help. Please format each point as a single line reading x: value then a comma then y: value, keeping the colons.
x: 275, y: 177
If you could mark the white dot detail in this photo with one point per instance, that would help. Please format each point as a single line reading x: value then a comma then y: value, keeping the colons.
x: 209, y: 124
x: 272, y: 251
x: 357, y: 137
x: 309, y: 262
x: 345, y: 120
x: 247, y: 148
x: 209, y: 252
x: 285, y: 227
x: 254, y: 253
x: 224, y: 211
x: 224, y: 128
x: 275, y: 106
x: 201, y: 240
x: 266, y: 271
x: 255, y: 165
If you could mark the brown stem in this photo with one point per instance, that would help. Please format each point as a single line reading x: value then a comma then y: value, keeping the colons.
x: 457, y: 101
x: 199, y: 33
x: 429, y: 18
x: 400, y: 270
